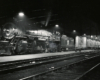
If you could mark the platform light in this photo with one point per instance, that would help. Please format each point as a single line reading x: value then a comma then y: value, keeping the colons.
x: 84, y: 34
x: 74, y: 31
x: 91, y: 36
x: 21, y: 14
x: 56, y: 25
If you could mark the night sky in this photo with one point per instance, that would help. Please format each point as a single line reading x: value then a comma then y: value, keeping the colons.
x: 70, y: 15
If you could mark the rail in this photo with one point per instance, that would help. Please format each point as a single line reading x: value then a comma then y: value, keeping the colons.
x: 32, y: 77
x: 33, y: 62
x: 87, y: 72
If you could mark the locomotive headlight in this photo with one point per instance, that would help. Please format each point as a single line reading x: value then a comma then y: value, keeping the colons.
x: 7, y: 34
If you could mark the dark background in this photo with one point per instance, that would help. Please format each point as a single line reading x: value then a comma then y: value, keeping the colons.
x: 82, y: 16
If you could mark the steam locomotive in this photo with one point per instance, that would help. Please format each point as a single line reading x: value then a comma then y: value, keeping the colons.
x: 16, y: 41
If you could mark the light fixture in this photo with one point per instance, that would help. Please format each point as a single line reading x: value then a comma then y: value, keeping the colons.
x: 56, y: 25
x: 74, y: 31
x: 21, y: 14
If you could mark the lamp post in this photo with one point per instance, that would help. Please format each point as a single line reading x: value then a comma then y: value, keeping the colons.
x: 74, y: 35
x: 57, y: 27
x: 58, y: 37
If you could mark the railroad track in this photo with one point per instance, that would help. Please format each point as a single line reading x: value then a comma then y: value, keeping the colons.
x: 45, y: 61
x: 91, y: 74
x: 4, y: 67
x: 53, y: 69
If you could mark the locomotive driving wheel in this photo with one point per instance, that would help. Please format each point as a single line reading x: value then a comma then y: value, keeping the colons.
x: 20, y: 47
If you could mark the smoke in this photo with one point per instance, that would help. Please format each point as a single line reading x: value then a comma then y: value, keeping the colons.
x: 48, y: 18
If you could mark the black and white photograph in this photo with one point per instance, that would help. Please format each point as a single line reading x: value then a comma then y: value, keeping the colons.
x: 49, y: 40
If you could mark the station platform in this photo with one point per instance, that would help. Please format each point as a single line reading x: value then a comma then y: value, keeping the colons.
x: 34, y: 56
